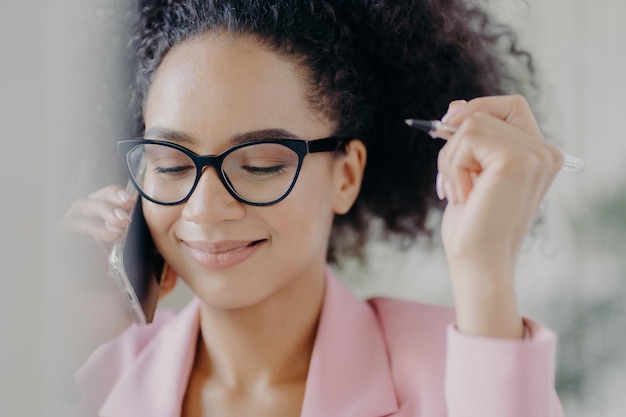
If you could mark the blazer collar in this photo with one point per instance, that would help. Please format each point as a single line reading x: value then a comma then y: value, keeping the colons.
x: 154, y: 384
x: 349, y: 374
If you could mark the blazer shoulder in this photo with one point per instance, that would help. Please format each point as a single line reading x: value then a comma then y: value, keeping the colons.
x: 410, y: 326
x: 416, y: 318
x: 107, y: 362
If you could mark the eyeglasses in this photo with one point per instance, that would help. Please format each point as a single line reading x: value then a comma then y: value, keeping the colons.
x: 257, y: 173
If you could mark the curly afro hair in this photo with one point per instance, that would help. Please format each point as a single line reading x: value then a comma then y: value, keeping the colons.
x: 370, y: 65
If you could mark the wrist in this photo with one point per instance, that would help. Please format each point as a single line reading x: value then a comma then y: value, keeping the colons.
x: 485, y: 301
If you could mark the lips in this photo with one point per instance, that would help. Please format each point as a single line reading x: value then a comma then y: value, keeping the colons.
x: 222, y: 254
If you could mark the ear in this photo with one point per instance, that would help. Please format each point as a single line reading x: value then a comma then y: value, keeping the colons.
x: 169, y: 277
x: 349, y: 170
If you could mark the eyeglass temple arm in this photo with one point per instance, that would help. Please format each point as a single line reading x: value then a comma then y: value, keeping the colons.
x: 326, y: 145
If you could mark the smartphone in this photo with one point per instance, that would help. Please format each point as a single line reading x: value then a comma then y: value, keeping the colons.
x: 137, y: 266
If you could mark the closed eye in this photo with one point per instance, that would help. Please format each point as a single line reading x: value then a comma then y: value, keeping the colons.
x: 173, y: 170
x: 278, y: 169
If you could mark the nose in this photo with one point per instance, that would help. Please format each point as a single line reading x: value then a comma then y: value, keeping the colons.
x: 211, y: 202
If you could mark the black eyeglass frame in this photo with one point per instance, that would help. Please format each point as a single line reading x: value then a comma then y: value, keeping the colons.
x: 299, y: 146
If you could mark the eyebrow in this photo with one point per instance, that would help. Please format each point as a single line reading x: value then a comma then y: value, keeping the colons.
x: 179, y: 137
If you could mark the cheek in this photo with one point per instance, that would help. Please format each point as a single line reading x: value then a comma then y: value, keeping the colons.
x: 307, y: 211
x: 159, y: 220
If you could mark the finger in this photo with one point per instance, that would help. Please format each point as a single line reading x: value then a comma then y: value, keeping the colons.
x: 99, y: 209
x: 115, y: 194
x: 459, y: 170
x: 445, y: 162
x: 439, y: 187
x: 484, y: 141
x: 454, y: 108
x: 493, y: 138
x: 513, y: 109
x: 442, y: 171
x: 95, y: 228
x: 463, y: 170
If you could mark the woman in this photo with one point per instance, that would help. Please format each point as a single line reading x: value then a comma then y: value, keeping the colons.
x: 271, y: 331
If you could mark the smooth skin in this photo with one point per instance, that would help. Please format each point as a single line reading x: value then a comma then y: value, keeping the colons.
x: 259, y: 317
x: 495, y: 172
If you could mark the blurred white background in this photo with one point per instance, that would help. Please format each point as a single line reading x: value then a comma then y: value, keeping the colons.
x: 572, y: 272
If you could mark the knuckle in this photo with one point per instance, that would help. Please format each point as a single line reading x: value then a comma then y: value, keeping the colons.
x: 556, y: 155
x: 536, y: 162
x: 539, y: 163
x: 479, y: 102
x: 518, y: 100
x: 549, y: 157
x: 509, y: 163
x: 471, y: 125
x: 518, y: 164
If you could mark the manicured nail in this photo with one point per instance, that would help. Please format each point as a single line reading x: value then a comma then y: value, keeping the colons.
x: 453, y: 109
x: 439, y: 187
x: 449, y: 190
x: 112, y: 228
x: 121, y: 214
x: 124, y: 195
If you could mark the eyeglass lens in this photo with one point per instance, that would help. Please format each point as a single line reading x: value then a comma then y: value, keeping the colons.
x: 258, y: 173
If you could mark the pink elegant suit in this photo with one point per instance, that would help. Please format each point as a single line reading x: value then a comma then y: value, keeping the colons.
x: 375, y: 358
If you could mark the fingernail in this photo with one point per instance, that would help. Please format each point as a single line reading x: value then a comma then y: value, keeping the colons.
x: 112, y: 228
x: 453, y: 109
x: 121, y: 214
x: 124, y: 195
x: 439, y: 187
x: 449, y: 192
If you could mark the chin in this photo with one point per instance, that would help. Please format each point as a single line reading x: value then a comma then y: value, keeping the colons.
x: 235, y: 288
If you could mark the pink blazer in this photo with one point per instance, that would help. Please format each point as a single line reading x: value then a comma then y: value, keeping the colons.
x: 381, y: 357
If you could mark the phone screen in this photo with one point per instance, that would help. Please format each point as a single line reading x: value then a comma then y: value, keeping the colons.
x: 137, y: 267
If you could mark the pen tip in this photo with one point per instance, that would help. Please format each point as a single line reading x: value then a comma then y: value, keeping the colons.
x: 425, y: 125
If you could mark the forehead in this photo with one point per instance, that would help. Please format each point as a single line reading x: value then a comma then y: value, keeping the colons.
x: 216, y: 86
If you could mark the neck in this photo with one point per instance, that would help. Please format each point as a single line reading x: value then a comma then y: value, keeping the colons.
x: 270, y: 342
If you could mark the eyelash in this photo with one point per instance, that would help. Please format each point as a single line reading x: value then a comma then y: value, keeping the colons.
x: 172, y: 170
x: 279, y: 169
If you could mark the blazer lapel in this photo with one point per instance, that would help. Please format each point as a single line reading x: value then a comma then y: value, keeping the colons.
x: 155, y: 383
x: 349, y: 374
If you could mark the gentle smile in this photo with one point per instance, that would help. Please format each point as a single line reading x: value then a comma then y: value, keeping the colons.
x: 223, y: 254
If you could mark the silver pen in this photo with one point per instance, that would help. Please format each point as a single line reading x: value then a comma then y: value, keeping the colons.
x: 435, y: 127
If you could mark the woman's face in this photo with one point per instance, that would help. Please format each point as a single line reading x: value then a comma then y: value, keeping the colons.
x: 206, y: 92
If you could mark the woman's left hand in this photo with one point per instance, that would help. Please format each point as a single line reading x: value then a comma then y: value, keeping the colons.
x: 494, y: 172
